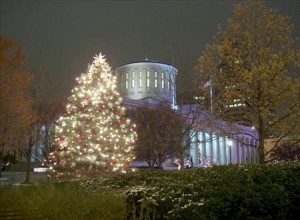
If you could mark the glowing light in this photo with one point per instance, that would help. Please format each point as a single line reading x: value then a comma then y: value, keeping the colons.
x: 94, y: 126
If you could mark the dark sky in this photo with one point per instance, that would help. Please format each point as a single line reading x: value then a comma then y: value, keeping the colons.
x: 67, y: 34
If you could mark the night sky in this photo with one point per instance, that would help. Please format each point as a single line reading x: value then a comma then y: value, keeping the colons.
x: 65, y: 35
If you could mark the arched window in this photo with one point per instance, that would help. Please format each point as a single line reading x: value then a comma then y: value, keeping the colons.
x: 148, y: 79
x: 162, y: 80
x: 140, y: 79
x: 168, y: 81
x: 132, y: 79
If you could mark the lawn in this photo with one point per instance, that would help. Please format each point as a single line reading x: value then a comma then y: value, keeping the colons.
x: 60, y: 200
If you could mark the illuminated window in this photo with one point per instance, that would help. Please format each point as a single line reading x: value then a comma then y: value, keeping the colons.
x: 168, y: 82
x: 148, y: 79
x: 155, y: 79
x: 132, y: 80
x: 126, y: 81
x: 140, y: 79
x: 162, y: 80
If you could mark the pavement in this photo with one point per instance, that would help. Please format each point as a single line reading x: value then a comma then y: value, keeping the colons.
x: 10, y: 177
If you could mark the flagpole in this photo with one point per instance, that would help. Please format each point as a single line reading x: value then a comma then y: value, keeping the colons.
x: 211, y: 95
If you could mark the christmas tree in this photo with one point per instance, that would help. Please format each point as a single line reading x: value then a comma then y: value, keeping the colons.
x: 94, y: 134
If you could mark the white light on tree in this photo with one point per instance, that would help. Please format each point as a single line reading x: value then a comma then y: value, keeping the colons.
x: 94, y: 134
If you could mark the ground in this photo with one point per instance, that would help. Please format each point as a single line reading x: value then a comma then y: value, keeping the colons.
x: 9, y: 177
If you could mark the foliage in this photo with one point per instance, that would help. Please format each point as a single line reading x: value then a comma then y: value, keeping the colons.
x: 94, y: 135
x: 223, y: 192
x: 158, y: 132
x: 16, y: 114
x: 250, y: 65
x: 286, y: 151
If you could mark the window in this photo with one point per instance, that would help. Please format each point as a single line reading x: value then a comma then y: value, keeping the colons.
x: 155, y: 79
x: 132, y: 79
x: 148, y: 79
x: 169, y: 77
x: 140, y: 79
x: 162, y: 80
x: 126, y: 81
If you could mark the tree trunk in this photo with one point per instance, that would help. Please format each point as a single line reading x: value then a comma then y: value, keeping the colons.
x: 181, y: 156
x: 1, y: 161
x: 46, y: 141
x: 261, y: 148
x: 28, y: 160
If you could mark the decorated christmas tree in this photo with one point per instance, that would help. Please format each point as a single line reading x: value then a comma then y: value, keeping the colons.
x: 94, y: 134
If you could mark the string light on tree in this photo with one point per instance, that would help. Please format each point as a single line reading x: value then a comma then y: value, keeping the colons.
x: 94, y: 135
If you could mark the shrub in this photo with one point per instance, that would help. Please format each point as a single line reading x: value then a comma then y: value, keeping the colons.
x: 222, y: 192
x: 234, y: 192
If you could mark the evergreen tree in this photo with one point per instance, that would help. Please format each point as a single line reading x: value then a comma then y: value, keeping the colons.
x: 94, y: 134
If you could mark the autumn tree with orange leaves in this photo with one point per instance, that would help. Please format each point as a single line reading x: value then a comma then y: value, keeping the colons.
x: 15, y: 99
x: 253, y: 66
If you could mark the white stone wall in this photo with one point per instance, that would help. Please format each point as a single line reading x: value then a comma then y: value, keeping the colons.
x: 147, y: 79
x: 221, y: 149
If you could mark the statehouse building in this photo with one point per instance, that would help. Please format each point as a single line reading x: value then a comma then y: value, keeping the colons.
x: 148, y: 82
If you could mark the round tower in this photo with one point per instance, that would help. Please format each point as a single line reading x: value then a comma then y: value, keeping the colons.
x: 147, y: 80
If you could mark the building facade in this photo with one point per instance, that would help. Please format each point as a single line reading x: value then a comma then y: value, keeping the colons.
x: 147, y: 80
x: 210, y: 141
x: 224, y: 148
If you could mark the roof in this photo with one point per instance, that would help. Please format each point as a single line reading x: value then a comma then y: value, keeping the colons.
x: 147, y: 61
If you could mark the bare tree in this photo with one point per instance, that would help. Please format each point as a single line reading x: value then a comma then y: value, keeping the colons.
x: 47, y: 114
x: 47, y: 111
x: 286, y: 151
x: 158, y: 132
